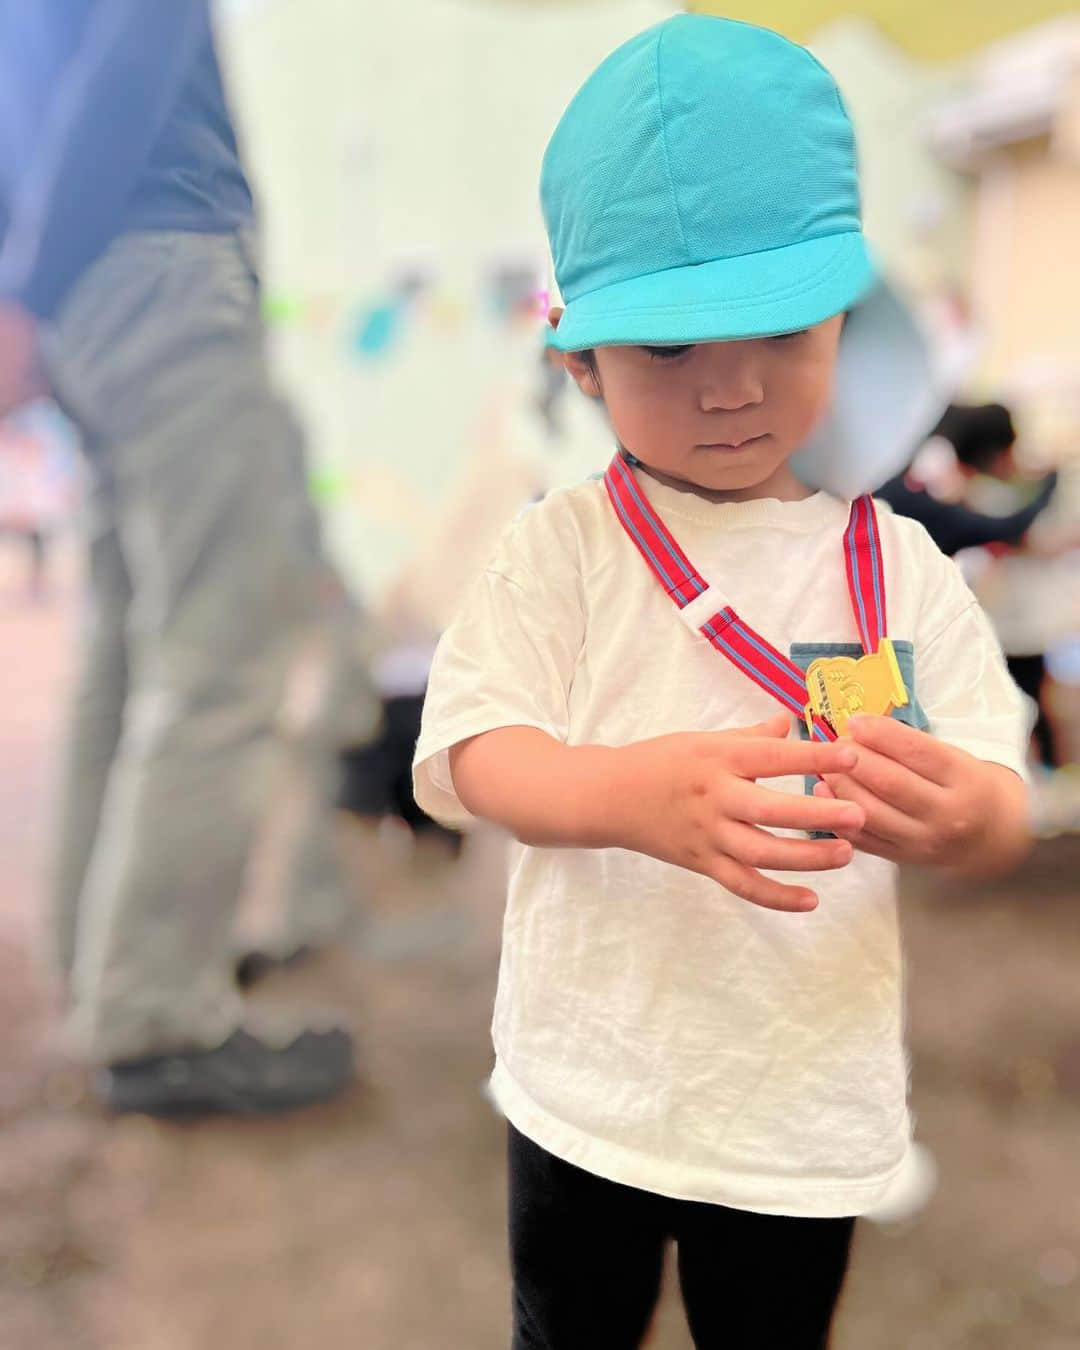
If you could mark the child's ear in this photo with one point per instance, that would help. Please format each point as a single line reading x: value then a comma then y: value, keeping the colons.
x: 582, y: 370
x: 580, y: 366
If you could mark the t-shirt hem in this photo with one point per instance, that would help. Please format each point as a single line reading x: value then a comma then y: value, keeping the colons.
x: 811, y: 1198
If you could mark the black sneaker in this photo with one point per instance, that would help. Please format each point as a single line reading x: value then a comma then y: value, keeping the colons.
x: 243, y: 1077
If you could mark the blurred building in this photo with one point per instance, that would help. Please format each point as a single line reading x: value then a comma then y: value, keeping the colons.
x: 1013, y: 130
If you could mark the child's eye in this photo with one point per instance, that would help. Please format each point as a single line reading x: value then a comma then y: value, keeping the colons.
x: 667, y: 353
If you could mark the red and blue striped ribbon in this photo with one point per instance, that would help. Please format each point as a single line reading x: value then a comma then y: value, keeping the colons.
x: 769, y: 668
x: 865, y: 575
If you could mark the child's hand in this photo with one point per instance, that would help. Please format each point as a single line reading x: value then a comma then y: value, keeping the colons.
x: 928, y: 802
x: 691, y: 799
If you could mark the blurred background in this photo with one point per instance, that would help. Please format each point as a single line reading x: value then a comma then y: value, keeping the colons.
x: 394, y: 150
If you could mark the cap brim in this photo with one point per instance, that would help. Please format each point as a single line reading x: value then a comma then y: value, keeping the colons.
x: 778, y: 291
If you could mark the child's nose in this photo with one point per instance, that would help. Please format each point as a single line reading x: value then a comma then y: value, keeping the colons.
x: 733, y: 382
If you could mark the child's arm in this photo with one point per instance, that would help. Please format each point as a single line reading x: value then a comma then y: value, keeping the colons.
x: 688, y: 799
x: 932, y: 803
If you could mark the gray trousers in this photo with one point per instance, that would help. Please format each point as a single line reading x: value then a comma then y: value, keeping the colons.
x: 204, y: 566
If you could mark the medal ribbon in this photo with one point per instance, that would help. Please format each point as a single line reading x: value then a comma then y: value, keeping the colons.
x: 865, y: 574
x: 769, y: 668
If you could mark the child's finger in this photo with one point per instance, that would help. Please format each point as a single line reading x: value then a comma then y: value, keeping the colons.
x: 919, y: 751
x: 882, y: 818
x: 778, y: 726
x: 880, y: 848
x: 759, y: 757
x: 750, y: 885
x: 864, y: 841
x: 758, y: 848
x: 895, y: 783
x: 794, y: 811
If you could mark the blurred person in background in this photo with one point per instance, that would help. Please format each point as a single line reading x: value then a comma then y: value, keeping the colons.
x: 967, y: 442
x: 129, y: 288
x: 377, y: 776
x: 38, y: 491
x: 497, y: 482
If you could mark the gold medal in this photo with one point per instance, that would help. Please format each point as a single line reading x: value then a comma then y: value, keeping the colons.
x: 840, y: 686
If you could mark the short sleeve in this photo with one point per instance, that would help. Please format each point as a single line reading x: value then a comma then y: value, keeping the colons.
x: 964, y: 683
x: 508, y: 656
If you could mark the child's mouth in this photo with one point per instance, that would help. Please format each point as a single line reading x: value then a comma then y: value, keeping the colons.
x: 737, y: 445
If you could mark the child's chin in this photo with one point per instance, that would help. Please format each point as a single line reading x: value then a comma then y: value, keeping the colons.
x: 736, y: 468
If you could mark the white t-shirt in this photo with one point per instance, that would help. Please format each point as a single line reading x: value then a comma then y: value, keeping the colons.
x: 650, y: 1026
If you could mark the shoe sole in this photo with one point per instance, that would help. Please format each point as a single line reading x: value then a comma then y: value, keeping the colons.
x: 127, y: 1100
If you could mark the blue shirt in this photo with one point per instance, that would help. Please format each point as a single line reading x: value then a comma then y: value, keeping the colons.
x: 112, y: 118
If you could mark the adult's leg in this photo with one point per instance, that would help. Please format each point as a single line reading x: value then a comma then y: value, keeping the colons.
x: 320, y: 901
x: 586, y: 1254
x: 95, y: 722
x: 160, y: 351
x: 758, y: 1281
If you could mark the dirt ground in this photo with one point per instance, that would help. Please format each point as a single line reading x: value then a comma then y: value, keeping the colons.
x: 376, y: 1223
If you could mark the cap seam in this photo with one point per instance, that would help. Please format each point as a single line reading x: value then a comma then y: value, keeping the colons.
x: 664, y: 145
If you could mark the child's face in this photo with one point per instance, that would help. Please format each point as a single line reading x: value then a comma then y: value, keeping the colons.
x: 719, y: 416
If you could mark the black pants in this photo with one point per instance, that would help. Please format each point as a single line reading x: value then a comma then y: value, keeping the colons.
x: 586, y: 1256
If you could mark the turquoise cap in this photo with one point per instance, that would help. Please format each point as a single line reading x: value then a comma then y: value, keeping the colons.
x: 702, y: 186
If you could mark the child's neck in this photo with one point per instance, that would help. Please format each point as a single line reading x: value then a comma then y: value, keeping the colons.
x: 781, y: 484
